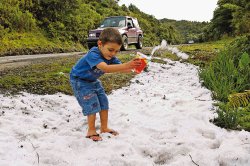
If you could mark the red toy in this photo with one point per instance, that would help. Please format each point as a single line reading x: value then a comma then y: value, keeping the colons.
x: 142, y: 66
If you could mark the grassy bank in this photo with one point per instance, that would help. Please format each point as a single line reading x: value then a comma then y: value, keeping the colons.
x: 228, y: 77
x: 34, y: 43
x: 201, y: 54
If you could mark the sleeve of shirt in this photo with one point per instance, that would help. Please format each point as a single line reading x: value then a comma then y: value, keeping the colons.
x: 93, y: 59
x: 115, y: 60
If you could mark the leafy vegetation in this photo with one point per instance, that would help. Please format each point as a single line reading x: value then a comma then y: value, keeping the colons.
x: 64, y: 25
x: 201, y: 54
x: 226, y: 76
x: 60, y: 26
x: 33, y: 43
x: 239, y: 99
x: 235, y: 114
x: 190, y: 30
x: 230, y: 71
x: 231, y: 18
x: 154, y: 30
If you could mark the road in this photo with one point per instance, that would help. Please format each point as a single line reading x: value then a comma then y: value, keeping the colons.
x: 21, y: 60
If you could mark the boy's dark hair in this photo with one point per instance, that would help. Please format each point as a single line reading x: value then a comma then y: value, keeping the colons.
x: 110, y: 35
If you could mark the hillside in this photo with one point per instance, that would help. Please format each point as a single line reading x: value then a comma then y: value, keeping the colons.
x: 31, y: 27
x: 189, y: 30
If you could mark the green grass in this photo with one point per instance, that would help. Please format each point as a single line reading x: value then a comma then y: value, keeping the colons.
x: 233, y: 118
x: 228, y: 74
x: 166, y: 54
x: 34, y: 43
x: 201, y: 54
x: 244, y: 118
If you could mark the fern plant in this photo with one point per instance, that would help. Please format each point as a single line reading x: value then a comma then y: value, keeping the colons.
x: 239, y: 99
x: 235, y: 114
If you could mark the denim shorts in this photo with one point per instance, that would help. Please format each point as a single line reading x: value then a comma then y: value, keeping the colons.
x: 90, y: 95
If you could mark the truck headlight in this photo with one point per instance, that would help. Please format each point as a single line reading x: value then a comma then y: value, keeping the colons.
x: 92, y: 35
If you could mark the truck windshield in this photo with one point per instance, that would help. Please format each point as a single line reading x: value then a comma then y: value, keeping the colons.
x: 113, y: 22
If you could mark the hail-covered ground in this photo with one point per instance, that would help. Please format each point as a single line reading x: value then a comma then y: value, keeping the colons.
x: 163, y: 118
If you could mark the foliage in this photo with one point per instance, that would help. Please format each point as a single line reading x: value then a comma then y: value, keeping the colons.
x: 235, y: 114
x: 189, y: 30
x: 227, y: 117
x: 230, y: 71
x: 228, y: 76
x: 239, y: 99
x: 201, y: 54
x: 32, y: 43
x: 65, y: 20
x: 70, y: 21
x: 231, y: 17
x: 13, y: 18
x: 154, y: 30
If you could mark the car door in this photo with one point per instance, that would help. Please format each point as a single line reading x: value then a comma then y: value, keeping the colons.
x: 131, y: 31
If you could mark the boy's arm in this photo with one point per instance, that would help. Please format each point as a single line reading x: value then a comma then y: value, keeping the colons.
x: 119, y: 67
x: 112, y: 68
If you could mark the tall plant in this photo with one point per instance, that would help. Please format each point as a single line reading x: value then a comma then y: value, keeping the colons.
x: 231, y: 17
x: 230, y: 72
x: 226, y: 76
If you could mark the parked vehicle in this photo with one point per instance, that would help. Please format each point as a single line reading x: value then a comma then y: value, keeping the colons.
x: 128, y: 27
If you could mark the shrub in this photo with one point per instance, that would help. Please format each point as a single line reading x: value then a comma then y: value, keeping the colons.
x: 14, y: 18
x: 227, y: 117
x: 230, y: 71
x: 235, y: 114
x: 229, y: 74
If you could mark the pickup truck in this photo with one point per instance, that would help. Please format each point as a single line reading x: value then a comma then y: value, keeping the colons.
x: 127, y: 26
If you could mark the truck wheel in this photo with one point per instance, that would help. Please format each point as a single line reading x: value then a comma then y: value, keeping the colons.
x: 125, y: 43
x: 139, y: 43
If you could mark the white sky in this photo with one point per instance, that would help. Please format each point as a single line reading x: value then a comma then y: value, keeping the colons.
x: 192, y: 10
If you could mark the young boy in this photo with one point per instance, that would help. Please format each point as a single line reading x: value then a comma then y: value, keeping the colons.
x: 86, y: 86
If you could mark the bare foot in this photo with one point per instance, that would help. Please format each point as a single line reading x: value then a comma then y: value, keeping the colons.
x: 110, y: 131
x: 94, y: 136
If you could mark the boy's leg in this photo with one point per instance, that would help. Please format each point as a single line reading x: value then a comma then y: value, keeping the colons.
x: 91, y: 128
x: 104, y: 119
x: 104, y: 123
x: 104, y: 104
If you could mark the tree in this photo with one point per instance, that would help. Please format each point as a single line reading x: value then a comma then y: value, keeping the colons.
x: 12, y: 17
x: 231, y: 18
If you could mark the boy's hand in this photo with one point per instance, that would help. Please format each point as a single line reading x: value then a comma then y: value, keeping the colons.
x: 134, y: 63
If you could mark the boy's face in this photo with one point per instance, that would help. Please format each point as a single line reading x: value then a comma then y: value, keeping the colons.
x: 108, y: 50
